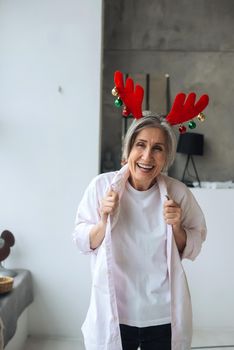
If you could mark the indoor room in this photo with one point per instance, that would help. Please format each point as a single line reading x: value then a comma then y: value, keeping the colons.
x: 62, y: 125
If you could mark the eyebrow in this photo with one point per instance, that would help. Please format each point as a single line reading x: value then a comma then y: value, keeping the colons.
x: 156, y: 143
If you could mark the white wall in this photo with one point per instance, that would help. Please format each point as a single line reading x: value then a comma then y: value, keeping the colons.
x: 210, y: 276
x: 50, y: 76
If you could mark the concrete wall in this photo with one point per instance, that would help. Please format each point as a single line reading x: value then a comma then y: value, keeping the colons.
x: 194, y: 43
x: 50, y: 69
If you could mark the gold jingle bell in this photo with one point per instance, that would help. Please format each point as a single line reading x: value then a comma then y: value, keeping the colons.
x: 201, y: 117
x: 114, y: 91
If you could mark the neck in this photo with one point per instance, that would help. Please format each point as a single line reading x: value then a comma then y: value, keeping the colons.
x: 140, y: 186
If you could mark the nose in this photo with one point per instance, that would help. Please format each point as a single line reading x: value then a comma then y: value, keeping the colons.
x: 146, y: 154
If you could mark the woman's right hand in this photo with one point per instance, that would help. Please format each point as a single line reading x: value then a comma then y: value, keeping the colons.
x: 109, y: 205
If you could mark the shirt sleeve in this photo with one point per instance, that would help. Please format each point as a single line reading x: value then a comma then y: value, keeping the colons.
x: 87, y: 216
x: 193, y: 222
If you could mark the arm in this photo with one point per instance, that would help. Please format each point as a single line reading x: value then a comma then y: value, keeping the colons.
x: 191, y: 219
x: 91, y: 218
x: 86, y: 218
x: 108, y: 206
x: 180, y: 237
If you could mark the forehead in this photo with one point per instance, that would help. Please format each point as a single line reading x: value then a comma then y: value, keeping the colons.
x: 152, y: 135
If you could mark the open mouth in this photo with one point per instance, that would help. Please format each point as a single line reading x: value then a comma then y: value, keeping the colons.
x: 145, y: 167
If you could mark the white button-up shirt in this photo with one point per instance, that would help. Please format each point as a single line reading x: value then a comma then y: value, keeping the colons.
x: 101, y: 326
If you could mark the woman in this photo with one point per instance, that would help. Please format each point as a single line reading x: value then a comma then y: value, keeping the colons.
x: 138, y: 224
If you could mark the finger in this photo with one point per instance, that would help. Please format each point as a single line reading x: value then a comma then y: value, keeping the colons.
x: 111, y: 192
x: 110, y: 200
x: 171, y: 203
x: 114, y: 196
x: 108, y: 203
x: 108, y: 209
x: 171, y: 210
x: 172, y: 219
x: 172, y: 216
x: 108, y: 193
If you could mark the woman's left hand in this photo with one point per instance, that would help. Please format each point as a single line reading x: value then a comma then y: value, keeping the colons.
x: 173, y: 216
x: 172, y: 213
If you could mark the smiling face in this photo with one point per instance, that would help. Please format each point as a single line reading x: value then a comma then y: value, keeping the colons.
x: 147, y: 158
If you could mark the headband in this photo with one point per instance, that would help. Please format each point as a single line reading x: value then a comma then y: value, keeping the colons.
x: 184, y: 108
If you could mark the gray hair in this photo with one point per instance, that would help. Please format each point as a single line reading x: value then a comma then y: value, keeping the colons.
x: 151, y: 120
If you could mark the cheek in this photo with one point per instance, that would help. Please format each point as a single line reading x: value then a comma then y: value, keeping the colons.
x: 131, y: 163
x: 133, y: 156
x: 161, y: 160
x: 162, y: 157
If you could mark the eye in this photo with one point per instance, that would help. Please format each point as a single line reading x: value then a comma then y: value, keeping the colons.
x: 140, y: 144
x: 157, y: 148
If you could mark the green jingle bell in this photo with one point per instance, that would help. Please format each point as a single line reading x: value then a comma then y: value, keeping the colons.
x: 118, y: 102
x: 192, y: 125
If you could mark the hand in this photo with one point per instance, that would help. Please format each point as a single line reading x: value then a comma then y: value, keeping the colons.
x: 109, y: 204
x: 172, y: 213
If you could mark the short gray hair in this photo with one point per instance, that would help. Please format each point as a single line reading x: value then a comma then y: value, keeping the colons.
x: 151, y: 120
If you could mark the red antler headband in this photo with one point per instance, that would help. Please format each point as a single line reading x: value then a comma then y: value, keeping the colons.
x: 131, y: 98
x: 183, y: 109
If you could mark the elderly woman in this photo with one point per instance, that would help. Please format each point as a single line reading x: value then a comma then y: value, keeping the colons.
x: 138, y: 224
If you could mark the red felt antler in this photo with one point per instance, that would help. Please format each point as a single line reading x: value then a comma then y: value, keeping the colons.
x: 131, y: 98
x: 186, y: 109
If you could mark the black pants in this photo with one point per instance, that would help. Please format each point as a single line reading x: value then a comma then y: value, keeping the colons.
x: 148, y: 338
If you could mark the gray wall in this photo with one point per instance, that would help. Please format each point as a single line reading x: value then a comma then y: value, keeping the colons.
x: 192, y: 41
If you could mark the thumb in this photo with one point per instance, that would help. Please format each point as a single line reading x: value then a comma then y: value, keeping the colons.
x: 109, y: 191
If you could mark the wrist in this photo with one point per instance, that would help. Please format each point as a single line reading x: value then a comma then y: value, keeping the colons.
x: 104, y: 218
x: 97, y: 234
x: 177, y: 228
x: 102, y: 224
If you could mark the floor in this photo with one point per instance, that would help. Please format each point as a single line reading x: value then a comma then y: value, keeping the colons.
x: 52, y: 344
x: 200, y: 341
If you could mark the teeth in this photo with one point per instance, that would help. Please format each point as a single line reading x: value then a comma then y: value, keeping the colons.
x: 144, y: 166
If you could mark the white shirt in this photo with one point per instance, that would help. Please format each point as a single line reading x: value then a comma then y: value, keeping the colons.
x: 101, y: 326
x: 140, y: 262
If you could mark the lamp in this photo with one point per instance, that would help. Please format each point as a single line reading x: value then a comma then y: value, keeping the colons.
x: 190, y: 144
